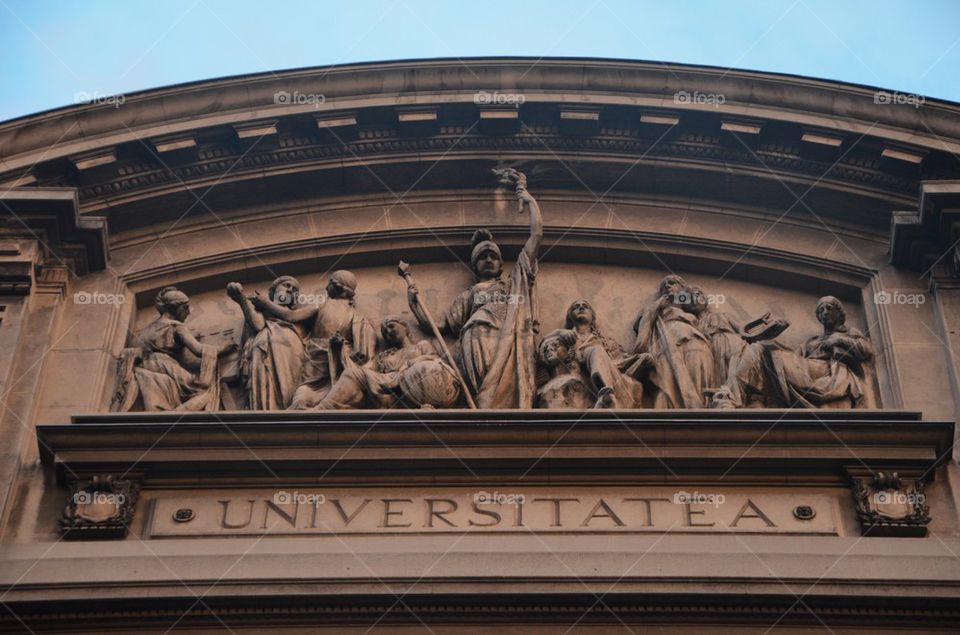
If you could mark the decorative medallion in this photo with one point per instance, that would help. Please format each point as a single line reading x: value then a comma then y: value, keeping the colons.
x: 98, y: 509
x: 888, y: 505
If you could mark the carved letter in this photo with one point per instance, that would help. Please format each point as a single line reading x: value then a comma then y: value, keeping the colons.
x: 348, y: 519
x: 431, y: 512
x: 556, y: 507
x: 290, y: 518
x: 647, y: 507
x: 759, y: 514
x: 387, y: 513
x: 223, y: 517
x: 485, y: 512
x: 609, y: 514
x: 688, y: 517
x: 518, y: 518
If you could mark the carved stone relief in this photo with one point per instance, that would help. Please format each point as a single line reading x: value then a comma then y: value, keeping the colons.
x: 889, y: 506
x: 485, y: 348
x: 154, y: 372
x: 101, y: 508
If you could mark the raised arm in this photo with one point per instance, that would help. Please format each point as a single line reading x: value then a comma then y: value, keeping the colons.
x: 413, y: 300
x: 253, y: 317
x: 532, y: 246
x: 518, y: 180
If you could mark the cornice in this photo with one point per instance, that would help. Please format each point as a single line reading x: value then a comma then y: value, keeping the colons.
x: 404, y: 80
x: 769, y: 126
x: 926, y: 240
x: 51, y: 217
x: 768, y: 444
x: 227, y: 163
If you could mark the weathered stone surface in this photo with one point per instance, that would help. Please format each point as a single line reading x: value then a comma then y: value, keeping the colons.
x: 596, y: 386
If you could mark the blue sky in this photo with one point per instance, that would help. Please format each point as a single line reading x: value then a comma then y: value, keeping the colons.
x: 52, y: 50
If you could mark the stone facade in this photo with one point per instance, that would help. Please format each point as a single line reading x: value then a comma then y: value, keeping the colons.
x: 646, y: 360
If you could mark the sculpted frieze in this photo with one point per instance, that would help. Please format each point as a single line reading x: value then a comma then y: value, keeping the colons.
x: 152, y: 370
x: 485, y: 349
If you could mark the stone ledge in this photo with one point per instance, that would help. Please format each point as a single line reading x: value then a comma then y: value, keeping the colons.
x: 773, y: 446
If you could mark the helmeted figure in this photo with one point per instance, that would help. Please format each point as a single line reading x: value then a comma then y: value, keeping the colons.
x: 496, y: 319
x: 339, y: 336
x: 273, y: 353
x: 154, y: 369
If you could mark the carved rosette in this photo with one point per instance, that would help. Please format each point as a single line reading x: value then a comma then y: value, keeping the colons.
x: 890, y: 506
x: 99, y: 509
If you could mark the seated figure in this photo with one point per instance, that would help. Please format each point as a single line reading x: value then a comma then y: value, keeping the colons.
x: 602, y: 360
x: 404, y: 373
x: 829, y: 371
x: 154, y: 369
x: 566, y: 388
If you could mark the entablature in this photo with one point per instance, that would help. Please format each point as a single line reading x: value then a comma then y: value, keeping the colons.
x: 753, y: 446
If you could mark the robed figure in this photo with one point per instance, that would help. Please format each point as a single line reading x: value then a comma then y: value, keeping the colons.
x: 831, y: 370
x: 155, y: 369
x: 338, y: 336
x: 403, y: 373
x: 682, y: 355
x: 496, y: 319
x: 273, y: 353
